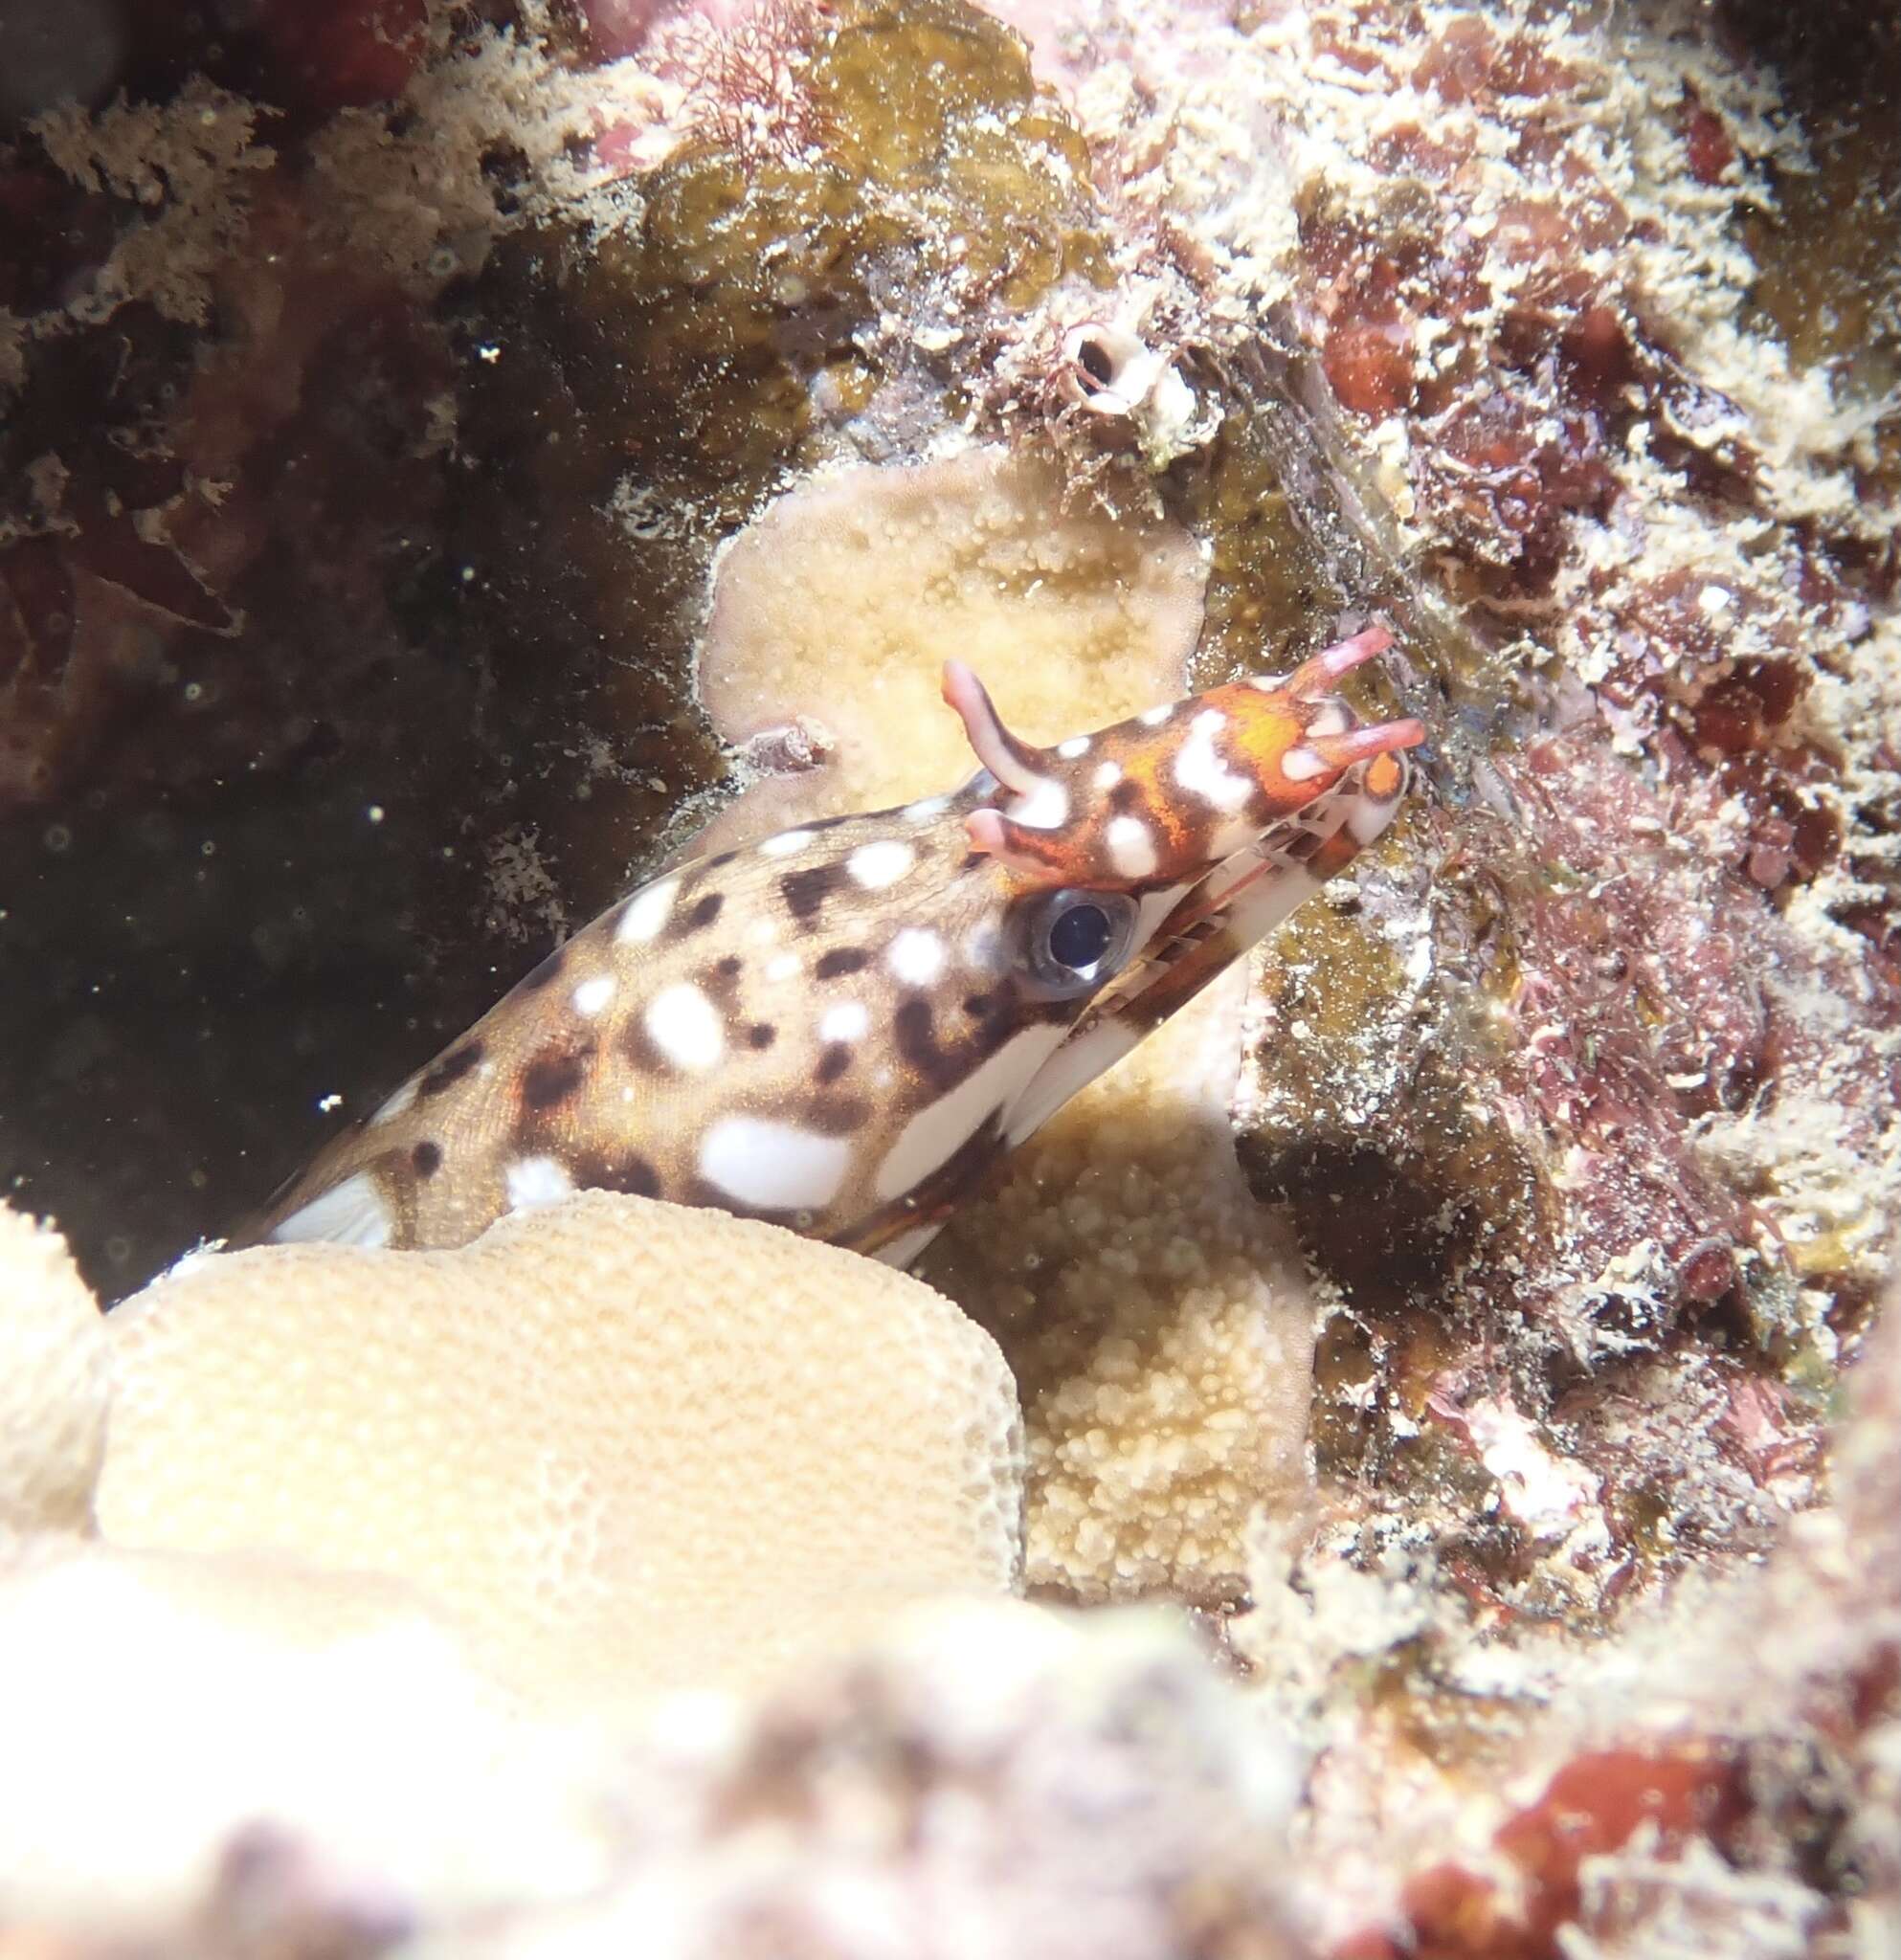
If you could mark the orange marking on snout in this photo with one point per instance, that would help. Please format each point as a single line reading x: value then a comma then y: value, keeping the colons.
x: 1160, y: 806
x: 1384, y: 777
x: 1260, y: 729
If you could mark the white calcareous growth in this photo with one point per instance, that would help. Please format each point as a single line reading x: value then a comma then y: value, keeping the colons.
x: 621, y: 1445
x: 53, y: 1382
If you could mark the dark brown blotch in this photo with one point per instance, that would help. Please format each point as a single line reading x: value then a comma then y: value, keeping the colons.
x: 840, y: 961
x: 555, y: 1075
x: 834, y: 1060
x: 720, y: 981
x: 697, y: 916
x: 914, y: 1030
x: 450, y: 1070
x: 806, y: 891
x: 426, y: 1158
x: 761, y: 1035
x: 625, y: 1170
x: 640, y: 1048
x: 835, y: 1116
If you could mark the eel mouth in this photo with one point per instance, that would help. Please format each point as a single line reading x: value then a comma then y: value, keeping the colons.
x: 1190, y: 943
x: 1198, y: 935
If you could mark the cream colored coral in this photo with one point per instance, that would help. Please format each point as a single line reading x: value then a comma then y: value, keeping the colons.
x: 53, y: 1381
x: 843, y: 601
x: 1159, y: 1319
x: 625, y: 1445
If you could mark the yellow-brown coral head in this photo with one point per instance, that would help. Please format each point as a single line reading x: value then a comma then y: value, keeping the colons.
x: 1159, y: 799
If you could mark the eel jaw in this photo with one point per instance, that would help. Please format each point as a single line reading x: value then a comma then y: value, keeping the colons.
x: 1203, y: 927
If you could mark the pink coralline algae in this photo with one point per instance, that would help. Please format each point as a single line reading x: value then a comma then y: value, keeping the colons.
x: 1609, y: 1057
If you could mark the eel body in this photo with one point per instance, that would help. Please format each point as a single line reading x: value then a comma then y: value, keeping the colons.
x: 842, y: 1027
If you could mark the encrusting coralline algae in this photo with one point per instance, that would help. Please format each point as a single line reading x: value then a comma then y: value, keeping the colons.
x: 475, y: 371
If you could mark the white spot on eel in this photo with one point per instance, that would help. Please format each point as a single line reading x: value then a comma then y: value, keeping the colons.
x: 775, y: 1167
x: 591, y: 996
x: 1302, y: 765
x: 785, y: 844
x: 1154, y: 717
x: 1077, y: 744
x: 1131, y: 847
x: 684, y: 1026
x: 917, y: 956
x: 534, y: 1181
x: 351, y: 1212
x: 845, y: 1022
x: 783, y: 968
x: 1046, y: 807
x: 883, y: 864
x: 646, y: 912
x: 1200, y: 769
x: 929, y: 807
x: 1107, y: 775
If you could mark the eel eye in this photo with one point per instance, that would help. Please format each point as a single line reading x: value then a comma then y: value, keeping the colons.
x: 1078, y: 939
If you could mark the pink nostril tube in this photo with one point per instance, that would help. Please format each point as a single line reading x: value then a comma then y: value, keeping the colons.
x: 1318, y: 675
x: 1342, y: 752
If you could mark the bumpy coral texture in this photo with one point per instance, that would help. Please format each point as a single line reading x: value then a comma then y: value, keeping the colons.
x: 1584, y: 1095
x: 625, y: 1446
x: 1567, y: 336
x: 54, y: 1382
x: 1159, y: 1319
x: 1722, y: 1779
x: 179, y: 1723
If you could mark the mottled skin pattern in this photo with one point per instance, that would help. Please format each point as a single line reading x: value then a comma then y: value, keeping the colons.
x: 842, y: 1027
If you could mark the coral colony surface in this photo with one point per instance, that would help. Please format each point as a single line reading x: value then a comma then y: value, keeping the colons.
x: 1404, y: 1465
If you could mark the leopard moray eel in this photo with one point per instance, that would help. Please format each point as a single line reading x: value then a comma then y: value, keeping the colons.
x: 842, y: 1027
